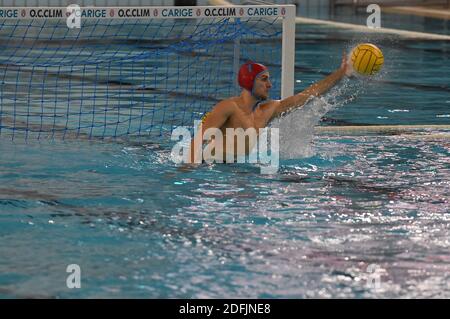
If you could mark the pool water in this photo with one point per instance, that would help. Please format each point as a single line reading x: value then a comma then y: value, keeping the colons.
x: 347, y: 215
x: 140, y: 227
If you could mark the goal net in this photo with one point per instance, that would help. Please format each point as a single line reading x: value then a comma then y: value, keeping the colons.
x: 110, y: 72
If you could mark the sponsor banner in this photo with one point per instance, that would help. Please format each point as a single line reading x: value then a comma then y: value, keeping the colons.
x: 145, y: 12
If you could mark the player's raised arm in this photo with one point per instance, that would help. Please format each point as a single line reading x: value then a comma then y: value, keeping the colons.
x: 314, y: 90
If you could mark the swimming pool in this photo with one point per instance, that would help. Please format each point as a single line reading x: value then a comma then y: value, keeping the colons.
x: 138, y: 226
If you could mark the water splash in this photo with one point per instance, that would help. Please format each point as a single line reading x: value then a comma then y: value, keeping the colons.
x: 297, y: 127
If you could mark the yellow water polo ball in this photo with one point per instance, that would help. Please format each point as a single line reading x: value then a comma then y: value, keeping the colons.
x: 367, y: 59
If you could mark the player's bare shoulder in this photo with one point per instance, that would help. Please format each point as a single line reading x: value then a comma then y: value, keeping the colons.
x: 227, y: 106
x: 269, y: 109
x: 270, y: 104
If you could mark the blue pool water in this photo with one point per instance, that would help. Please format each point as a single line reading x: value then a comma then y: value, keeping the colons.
x: 139, y: 226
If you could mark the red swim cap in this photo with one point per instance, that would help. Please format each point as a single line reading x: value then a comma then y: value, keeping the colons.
x: 248, y: 73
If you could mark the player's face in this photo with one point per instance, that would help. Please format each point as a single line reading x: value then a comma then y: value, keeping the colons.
x: 262, y: 86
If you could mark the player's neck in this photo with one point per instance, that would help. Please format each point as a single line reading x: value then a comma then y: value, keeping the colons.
x: 248, y: 101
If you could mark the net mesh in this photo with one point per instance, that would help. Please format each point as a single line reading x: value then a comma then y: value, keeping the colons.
x: 117, y: 77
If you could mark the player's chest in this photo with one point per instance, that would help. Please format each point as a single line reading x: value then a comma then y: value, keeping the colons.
x: 245, y: 120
